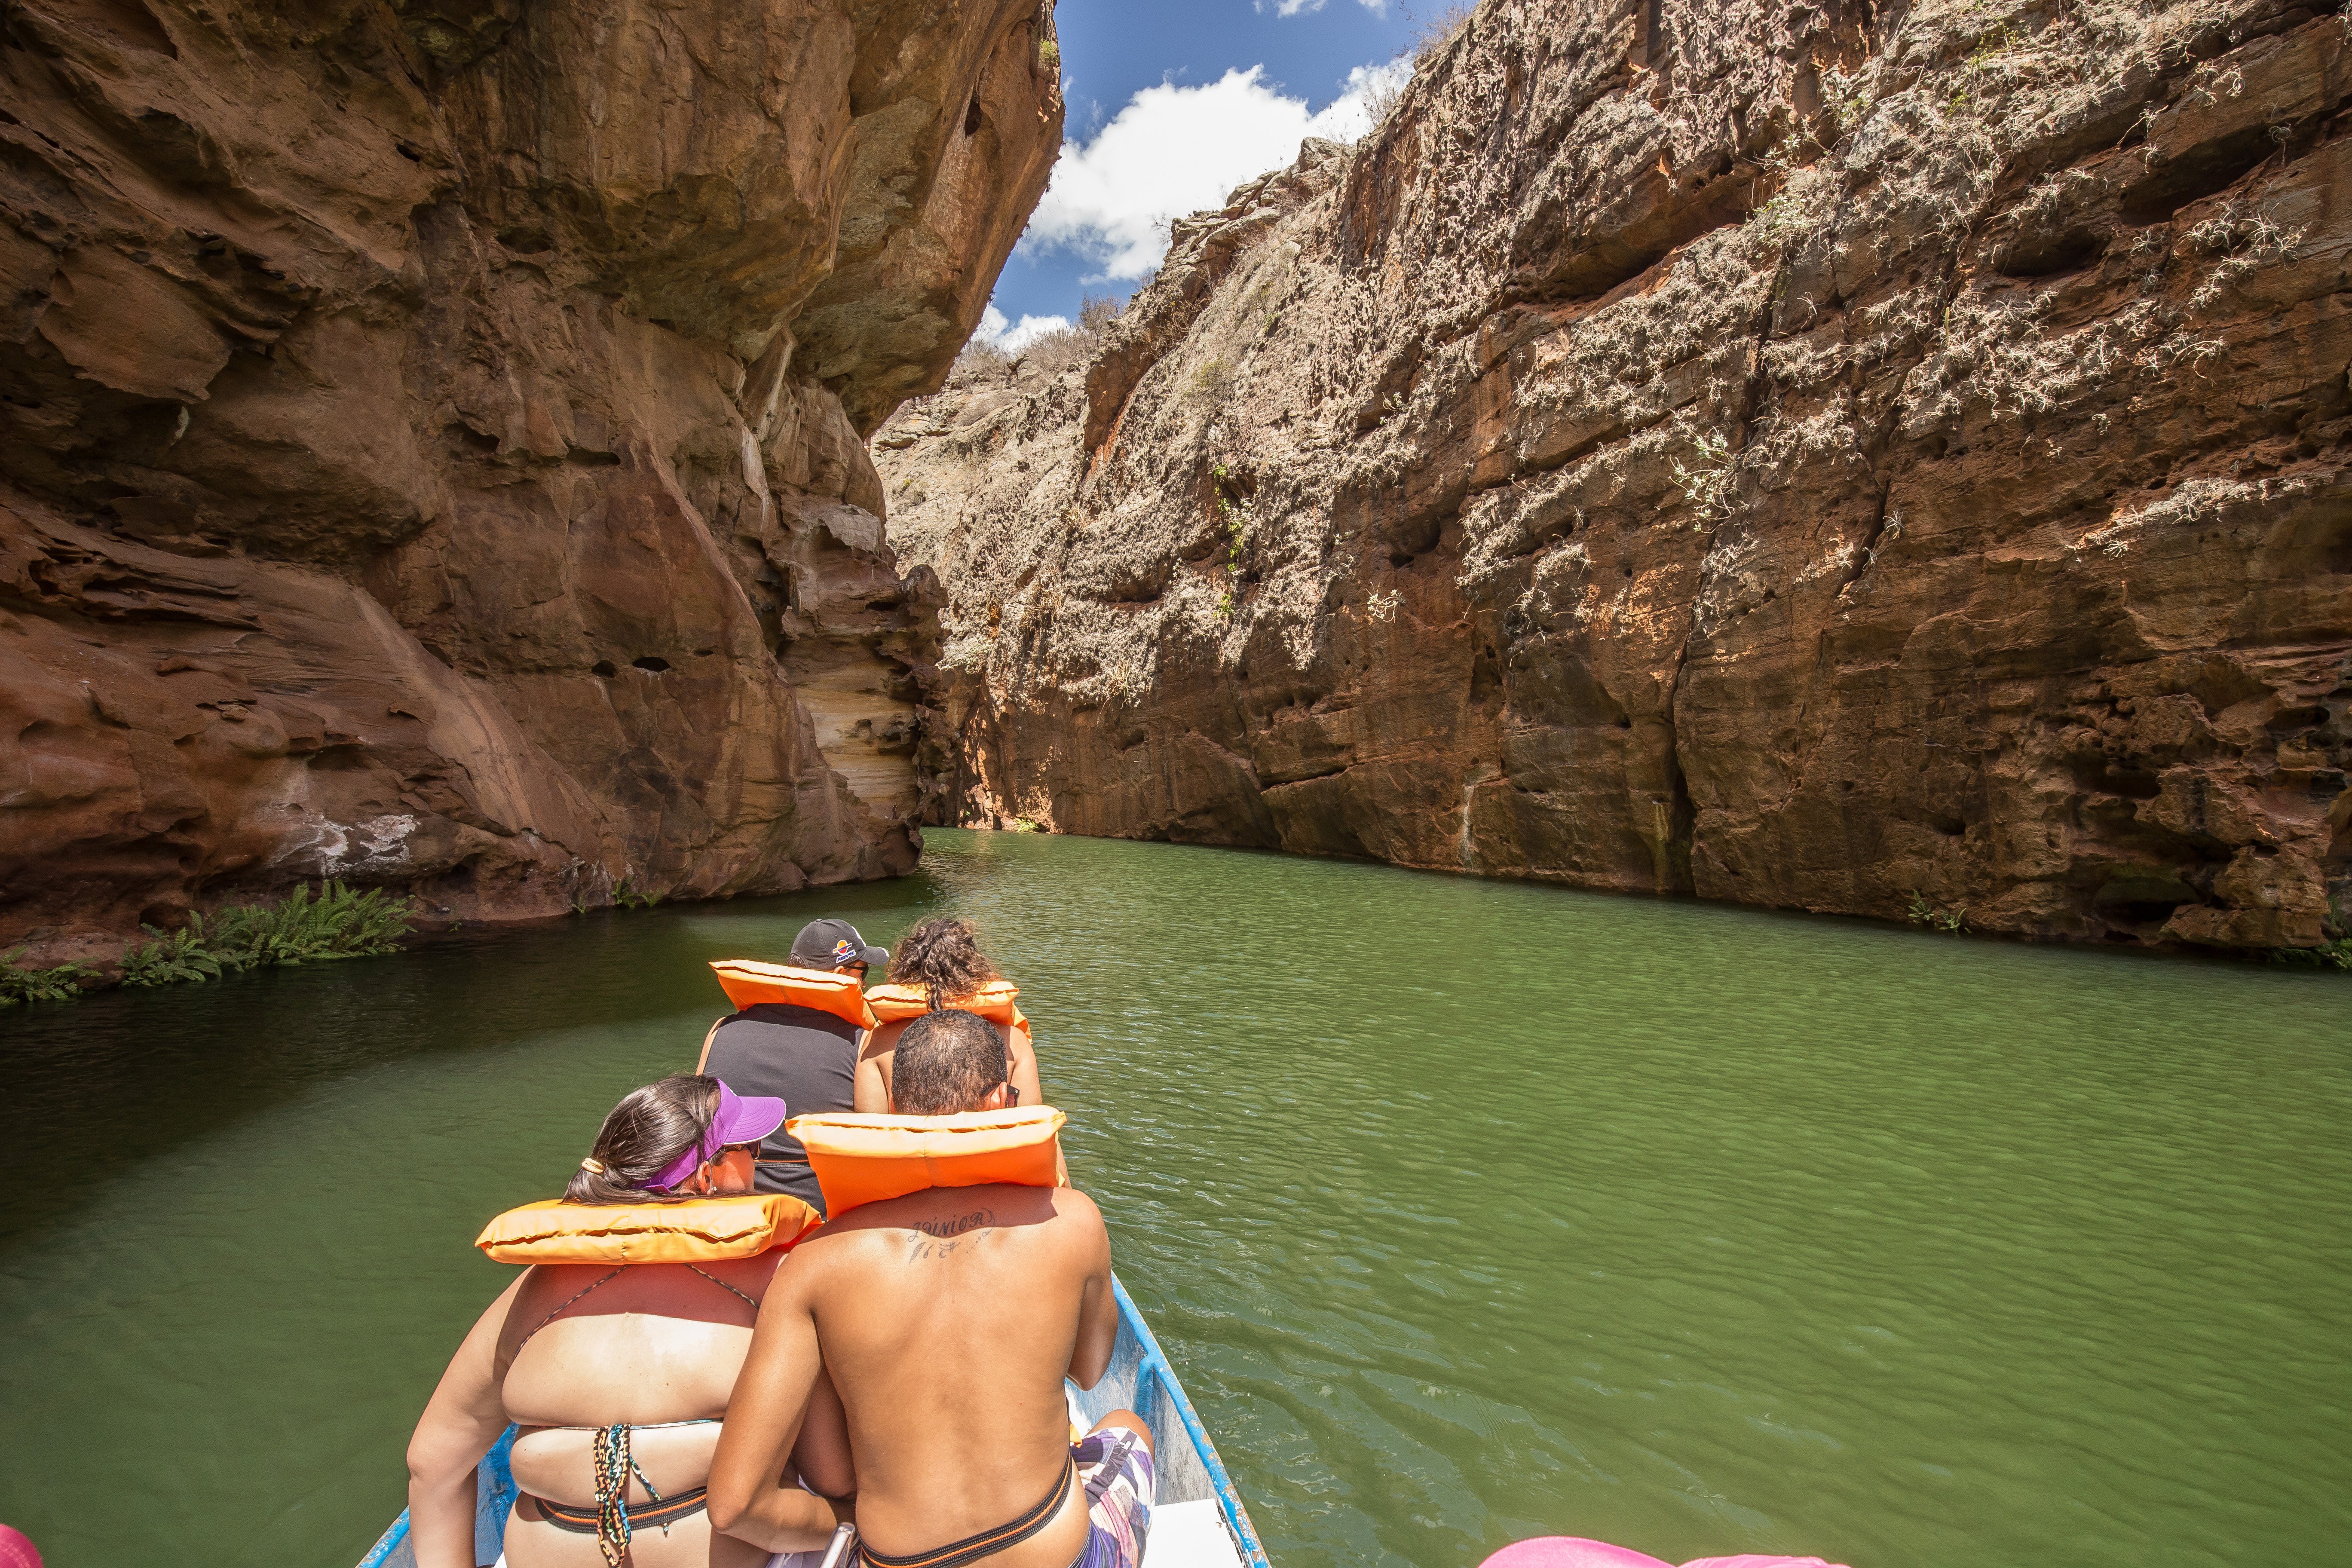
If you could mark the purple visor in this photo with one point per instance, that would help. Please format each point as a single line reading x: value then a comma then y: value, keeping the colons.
x: 740, y: 1120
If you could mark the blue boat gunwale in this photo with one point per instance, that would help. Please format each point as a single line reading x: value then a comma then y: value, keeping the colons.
x: 495, y: 1477
x: 1155, y: 1364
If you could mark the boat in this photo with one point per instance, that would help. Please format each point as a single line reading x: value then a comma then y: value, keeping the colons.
x: 1197, y: 1519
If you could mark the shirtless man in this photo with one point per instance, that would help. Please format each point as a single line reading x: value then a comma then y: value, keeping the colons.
x: 569, y: 1350
x: 948, y: 1320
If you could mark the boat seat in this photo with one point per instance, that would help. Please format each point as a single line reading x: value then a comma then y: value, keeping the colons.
x: 1190, y: 1535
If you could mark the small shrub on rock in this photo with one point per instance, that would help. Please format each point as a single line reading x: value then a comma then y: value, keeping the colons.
x: 337, y: 923
x: 62, y: 984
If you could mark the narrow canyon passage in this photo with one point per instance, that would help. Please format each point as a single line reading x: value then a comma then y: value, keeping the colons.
x: 1659, y: 725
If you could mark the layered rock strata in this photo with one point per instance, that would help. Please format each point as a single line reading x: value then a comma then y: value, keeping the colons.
x: 1869, y: 459
x: 432, y: 438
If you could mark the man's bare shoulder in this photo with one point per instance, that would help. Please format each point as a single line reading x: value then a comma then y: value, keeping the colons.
x: 1040, y: 1216
x: 1076, y: 1207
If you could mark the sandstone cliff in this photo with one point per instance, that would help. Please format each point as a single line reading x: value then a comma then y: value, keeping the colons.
x: 1819, y: 456
x: 432, y: 437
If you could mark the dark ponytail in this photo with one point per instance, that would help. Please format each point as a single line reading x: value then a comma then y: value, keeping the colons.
x: 942, y: 955
x: 651, y: 1126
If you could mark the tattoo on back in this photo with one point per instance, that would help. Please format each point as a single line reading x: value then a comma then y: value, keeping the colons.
x: 943, y: 1233
x: 947, y: 1227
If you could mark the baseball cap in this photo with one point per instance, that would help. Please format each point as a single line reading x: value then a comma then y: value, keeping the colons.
x: 742, y: 1119
x: 829, y: 944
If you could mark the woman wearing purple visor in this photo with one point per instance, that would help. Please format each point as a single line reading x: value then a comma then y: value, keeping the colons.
x: 616, y: 1375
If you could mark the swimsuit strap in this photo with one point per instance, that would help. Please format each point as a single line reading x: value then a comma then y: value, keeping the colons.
x: 988, y: 1542
x: 665, y: 1513
x: 638, y: 1425
x: 608, y: 1279
x: 558, y: 1311
x: 729, y: 1290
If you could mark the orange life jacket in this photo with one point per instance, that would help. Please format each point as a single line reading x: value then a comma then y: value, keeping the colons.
x: 695, y: 1230
x: 992, y: 1000
x: 900, y: 1006
x: 749, y: 983
x: 865, y: 1159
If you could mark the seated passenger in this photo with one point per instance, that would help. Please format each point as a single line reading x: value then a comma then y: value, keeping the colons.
x: 806, y: 1056
x: 618, y: 1375
x: 948, y: 1319
x: 940, y: 965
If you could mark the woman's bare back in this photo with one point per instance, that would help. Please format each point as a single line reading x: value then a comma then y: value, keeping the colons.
x: 654, y: 1347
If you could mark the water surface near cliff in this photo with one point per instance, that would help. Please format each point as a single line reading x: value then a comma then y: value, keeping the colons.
x: 1468, y: 1210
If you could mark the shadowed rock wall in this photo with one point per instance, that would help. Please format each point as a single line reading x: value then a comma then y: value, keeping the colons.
x: 432, y: 438
x: 1811, y: 457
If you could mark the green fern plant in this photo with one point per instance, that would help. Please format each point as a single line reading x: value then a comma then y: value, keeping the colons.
x: 338, y: 923
x: 181, y: 957
x: 62, y: 984
x: 628, y: 897
x: 1928, y: 917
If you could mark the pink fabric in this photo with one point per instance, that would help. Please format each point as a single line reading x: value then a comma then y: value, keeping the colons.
x: 16, y: 1551
x: 1569, y: 1551
x: 1575, y: 1551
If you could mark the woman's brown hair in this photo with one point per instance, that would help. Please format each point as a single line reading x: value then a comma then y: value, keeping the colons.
x: 651, y: 1126
x: 942, y: 955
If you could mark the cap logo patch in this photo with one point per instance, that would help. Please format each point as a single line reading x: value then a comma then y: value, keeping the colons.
x: 844, y: 950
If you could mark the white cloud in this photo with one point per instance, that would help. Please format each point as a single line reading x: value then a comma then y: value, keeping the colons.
x: 1015, y: 336
x: 1175, y: 150
x: 1293, y: 7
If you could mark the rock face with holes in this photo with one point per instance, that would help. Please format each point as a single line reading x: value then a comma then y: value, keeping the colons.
x: 1877, y: 460
x: 432, y: 438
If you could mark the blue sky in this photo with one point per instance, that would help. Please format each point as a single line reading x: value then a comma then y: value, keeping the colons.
x: 1172, y: 104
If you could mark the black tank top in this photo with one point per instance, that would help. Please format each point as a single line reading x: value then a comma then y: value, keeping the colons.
x: 807, y: 1055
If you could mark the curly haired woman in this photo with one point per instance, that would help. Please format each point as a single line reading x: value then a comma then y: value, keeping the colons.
x: 937, y: 966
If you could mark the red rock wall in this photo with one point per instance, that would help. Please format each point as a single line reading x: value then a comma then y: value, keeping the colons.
x: 432, y: 438
x: 1824, y: 457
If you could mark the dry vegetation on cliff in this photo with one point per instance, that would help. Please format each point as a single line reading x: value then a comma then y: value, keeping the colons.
x: 1856, y: 458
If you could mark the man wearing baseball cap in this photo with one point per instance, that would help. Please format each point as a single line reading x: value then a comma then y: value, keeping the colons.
x: 804, y: 1055
x: 835, y: 944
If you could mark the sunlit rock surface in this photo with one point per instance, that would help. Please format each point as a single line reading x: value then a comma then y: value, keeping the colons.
x: 432, y: 438
x: 1855, y: 458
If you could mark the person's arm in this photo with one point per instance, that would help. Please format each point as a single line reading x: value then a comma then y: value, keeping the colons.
x: 463, y: 1418
x: 1023, y: 1052
x: 702, y: 1062
x: 872, y: 1095
x: 751, y: 1498
x: 822, y: 1456
x: 1097, y: 1306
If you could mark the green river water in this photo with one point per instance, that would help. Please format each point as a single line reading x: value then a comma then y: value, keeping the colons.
x: 1466, y: 1211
